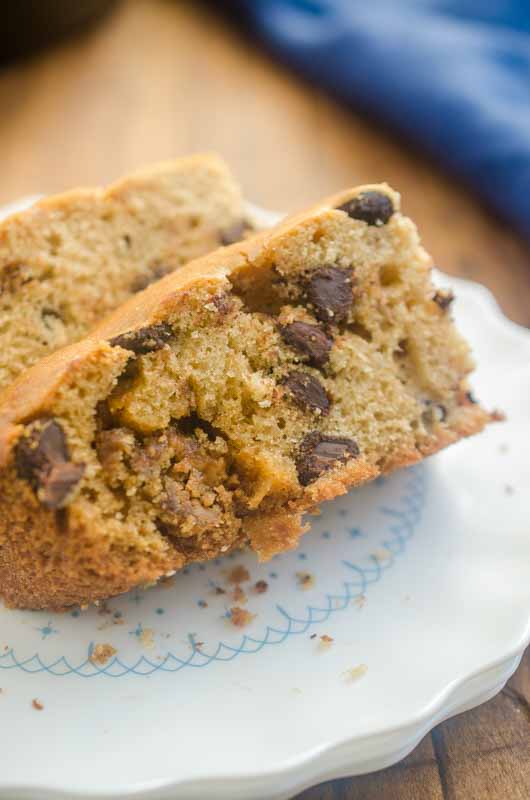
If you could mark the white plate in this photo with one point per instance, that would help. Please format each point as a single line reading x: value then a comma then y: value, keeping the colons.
x: 422, y: 578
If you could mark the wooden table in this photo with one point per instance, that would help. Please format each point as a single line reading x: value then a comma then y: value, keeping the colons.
x: 159, y: 79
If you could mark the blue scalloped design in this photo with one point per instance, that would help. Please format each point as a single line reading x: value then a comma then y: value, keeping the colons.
x: 402, y: 522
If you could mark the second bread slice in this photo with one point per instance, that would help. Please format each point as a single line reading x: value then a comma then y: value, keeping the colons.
x: 70, y: 259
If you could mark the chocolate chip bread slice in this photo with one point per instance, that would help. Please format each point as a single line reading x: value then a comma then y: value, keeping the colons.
x: 70, y: 259
x: 215, y: 408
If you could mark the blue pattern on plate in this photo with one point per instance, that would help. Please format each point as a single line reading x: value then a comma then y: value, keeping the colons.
x: 402, y: 522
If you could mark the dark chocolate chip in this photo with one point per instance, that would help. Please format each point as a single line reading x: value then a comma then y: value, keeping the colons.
x: 42, y: 458
x: 235, y: 232
x: 375, y: 208
x: 59, y: 482
x: 309, y: 340
x: 319, y: 453
x: 307, y: 392
x: 329, y: 291
x: 144, y: 340
x: 443, y: 299
x: 45, y: 443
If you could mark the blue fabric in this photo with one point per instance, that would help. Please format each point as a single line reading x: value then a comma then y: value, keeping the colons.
x: 453, y: 75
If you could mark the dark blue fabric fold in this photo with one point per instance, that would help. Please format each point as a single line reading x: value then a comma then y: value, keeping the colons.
x: 454, y: 76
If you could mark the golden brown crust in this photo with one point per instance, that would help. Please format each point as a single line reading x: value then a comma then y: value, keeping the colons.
x: 72, y: 566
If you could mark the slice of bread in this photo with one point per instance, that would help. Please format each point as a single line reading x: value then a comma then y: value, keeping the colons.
x: 70, y: 259
x: 216, y: 407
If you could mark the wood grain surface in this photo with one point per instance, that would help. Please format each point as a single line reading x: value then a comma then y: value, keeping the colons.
x: 159, y: 79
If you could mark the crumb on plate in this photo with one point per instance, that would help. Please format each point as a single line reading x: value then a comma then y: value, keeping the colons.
x: 101, y: 653
x: 238, y: 595
x: 239, y: 574
x: 240, y: 617
x: 355, y: 673
x: 325, y: 642
x: 305, y: 580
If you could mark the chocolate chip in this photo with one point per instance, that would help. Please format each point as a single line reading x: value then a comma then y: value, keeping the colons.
x: 375, y: 208
x: 309, y: 340
x: 329, y: 291
x: 443, y: 299
x: 144, y: 340
x: 234, y: 233
x: 319, y: 453
x: 307, y: 392
x: 59, y: 482
x: 42, y: 458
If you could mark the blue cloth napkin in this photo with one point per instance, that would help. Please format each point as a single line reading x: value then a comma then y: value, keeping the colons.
x: 452, y: 75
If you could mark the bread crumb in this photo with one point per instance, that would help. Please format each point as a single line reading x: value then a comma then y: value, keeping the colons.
x: 305, y: 580
x: 37, y: 705
x: 355, y: 673
x: 382, y: 554
x: 260, y: 587
x: 240, y: 617
x: 101, y: 653
x: 238, y: 595
x: 325, y: 642
x: 147, y: 638
x: 360, y: 600
x: 498, y: 416
x: 238, y: 574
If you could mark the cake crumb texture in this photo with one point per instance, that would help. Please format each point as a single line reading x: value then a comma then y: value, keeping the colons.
x: 72, y: 258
